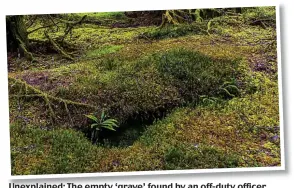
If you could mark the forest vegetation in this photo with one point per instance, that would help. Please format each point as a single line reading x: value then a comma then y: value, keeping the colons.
x: 143, y: 90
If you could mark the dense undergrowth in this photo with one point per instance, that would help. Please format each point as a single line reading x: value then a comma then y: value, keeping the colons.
x: 186, y: 97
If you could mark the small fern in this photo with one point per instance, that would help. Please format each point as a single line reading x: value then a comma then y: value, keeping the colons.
x: 208, y: 100
x: 98, y: 124
x: 230, y: 89
x: 208, y: 26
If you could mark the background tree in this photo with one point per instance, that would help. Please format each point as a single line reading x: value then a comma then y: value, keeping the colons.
x: 17, y: 36
x: 17, y: 33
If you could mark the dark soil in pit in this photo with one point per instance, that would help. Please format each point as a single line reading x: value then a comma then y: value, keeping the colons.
x: 128, y: 132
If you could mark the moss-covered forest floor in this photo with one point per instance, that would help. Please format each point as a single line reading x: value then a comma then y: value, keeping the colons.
x: 186, y: 97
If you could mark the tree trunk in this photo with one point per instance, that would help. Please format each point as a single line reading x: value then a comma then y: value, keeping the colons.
x: 17, y: 37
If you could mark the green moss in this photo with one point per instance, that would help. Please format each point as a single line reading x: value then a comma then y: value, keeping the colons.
x: 173, y: 31
x: 237, y: 126
x: 260, y: 13
x: 189, y: 157
x: 104, y: 50
x: 42, y: 151
x: 102, y: 15
x: 90, y: 36
x: 195, y: 74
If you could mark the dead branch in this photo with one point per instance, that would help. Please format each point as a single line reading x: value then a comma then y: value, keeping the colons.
x: 71, y: 25
x: 42, y: 27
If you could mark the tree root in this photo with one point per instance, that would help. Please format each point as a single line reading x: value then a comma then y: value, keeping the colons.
x: 58, y: 48
x: 48, y: 99
x: 27, y: 54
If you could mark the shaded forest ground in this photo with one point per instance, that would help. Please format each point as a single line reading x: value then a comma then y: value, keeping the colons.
x: 188, y: 96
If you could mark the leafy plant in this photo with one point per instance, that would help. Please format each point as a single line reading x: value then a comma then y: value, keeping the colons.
x: 229, y: 89
x: 207, y: 100
x: 98, y: 124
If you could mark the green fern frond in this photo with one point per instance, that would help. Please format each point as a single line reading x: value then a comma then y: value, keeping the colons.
x: 226, y: 91
x: 92, y: 117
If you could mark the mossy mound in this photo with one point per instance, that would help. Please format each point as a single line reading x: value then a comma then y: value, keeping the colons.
x: 139, y: 89
x: 242, y: 132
